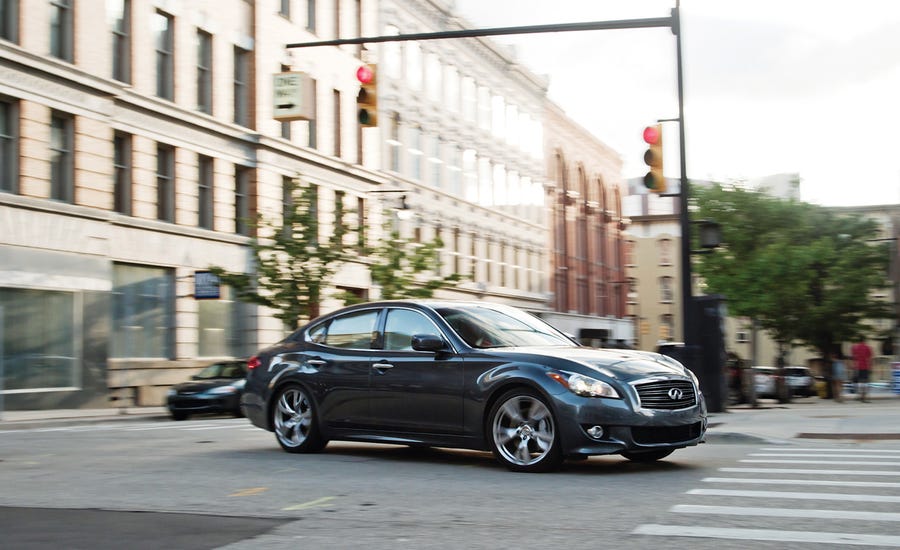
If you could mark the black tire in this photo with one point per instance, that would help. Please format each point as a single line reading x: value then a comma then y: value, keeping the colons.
x: 179, y: 415
x: 647, y: 456
x: 295, y: 421
x: 522, y: 432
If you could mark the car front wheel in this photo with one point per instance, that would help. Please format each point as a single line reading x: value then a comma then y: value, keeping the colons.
x: 523, y: 432
x: 294, y: 420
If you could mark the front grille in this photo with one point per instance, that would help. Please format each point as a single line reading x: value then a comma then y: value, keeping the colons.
x: 659, y: 394
x: 665, y: 434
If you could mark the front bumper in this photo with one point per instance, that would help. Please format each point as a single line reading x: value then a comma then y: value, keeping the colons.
x: 626, y: 426
x: 202, y: 403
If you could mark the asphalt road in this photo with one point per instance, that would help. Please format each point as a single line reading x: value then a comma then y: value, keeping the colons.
x: 220, y: 483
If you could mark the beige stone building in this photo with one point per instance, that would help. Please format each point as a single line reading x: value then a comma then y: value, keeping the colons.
x: 138, y: 141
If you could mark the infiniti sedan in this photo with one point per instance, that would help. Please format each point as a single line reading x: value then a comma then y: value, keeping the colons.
x: 469, y: 375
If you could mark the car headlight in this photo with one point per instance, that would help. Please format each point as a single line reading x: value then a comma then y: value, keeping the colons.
x: 223, y: 390
x: 172, y: 392
x: 585, y: 386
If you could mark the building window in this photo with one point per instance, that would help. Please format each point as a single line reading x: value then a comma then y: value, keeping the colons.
x: 284, y: 8
x: 312, y: 127
x: 62, y: 164
x: 361, y: 223
x: 36, y: 362
x: 286, y: 125
x: 415, y: 153
x: 629, y: 252
x: 666, y: 326
x: 218, y: 326
x: 9, y: 147
x: 163, y: 28
x: 311, y: 16
x: 205, y: 195
x: 165, y: 183
x: 61, y: 29
x: 742, y: 337
x: 242, y: 200
x: 143, y: 312
x: 394, y: 142
x: 122, y: 167
x: 241, y: 86
x: 336, y: 105
x: 119, y: 12
x: 9, y: 20
x: 666, y: 293
x: 204, y: 72
x: 665, y: 251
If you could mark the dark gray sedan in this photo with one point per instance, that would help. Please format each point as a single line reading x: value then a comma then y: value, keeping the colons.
x: 469, y: 375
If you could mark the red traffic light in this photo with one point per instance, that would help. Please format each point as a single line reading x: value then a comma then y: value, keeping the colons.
x: 651, y: 135
x: 365, y: 74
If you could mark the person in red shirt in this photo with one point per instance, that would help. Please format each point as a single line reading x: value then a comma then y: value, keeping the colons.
x: 862, y: 361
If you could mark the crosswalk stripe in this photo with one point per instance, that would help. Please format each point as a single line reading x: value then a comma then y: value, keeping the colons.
x: 767, y: 535
x: 813, y: 472
x: 846, y: 462
x: 793, y: 495
x: 829, y: 450
x: 784, y: 512
x: 819, y: 455
x: 827, y: 483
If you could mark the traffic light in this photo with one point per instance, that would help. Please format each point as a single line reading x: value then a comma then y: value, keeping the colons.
x: 367, y: 100
x: 653, y: 157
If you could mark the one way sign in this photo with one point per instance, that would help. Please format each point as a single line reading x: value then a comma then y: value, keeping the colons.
x: 293, y: 95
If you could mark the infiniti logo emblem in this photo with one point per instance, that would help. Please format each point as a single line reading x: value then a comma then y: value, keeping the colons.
x: 675, y: 394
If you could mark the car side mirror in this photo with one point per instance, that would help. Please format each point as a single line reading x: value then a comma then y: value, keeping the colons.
x: 427, y: 342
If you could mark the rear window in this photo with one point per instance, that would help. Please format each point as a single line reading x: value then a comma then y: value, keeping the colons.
x: 795, y: 371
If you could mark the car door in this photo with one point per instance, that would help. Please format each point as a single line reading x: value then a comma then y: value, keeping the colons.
x: 341, y: 354
x: 415, y: 391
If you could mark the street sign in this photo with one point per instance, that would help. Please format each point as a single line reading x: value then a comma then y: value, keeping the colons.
x: 292, y: 97
x: 206, y: 286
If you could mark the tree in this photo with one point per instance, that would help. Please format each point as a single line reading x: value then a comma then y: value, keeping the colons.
x: 805, y: 273
x: 292, y: 261
x: 405, y: 268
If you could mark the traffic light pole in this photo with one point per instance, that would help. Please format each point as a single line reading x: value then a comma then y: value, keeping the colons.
x: 688, y: 325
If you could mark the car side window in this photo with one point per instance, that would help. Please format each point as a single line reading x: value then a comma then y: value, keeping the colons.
x: 316, y: 334
x: 401, y: 325
x: 352, y: 331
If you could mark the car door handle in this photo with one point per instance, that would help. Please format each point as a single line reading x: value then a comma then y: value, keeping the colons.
x: 317, y: 362
x: 382, y: 366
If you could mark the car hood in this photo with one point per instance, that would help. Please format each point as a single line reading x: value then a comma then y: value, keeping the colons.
x: 617, y: 363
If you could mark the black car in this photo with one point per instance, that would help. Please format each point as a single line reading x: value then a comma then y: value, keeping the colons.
x: 215, y: 389
x: 470, y: 375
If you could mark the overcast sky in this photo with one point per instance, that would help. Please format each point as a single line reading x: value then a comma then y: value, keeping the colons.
x: 771, y: 86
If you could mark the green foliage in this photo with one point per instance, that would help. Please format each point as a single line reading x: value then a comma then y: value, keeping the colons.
x: 404, y: 268
x: 805, y: 273
x: 292, y: 262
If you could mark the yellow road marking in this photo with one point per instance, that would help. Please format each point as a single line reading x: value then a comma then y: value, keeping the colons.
x: 311, y: 504
x: 249, y: 492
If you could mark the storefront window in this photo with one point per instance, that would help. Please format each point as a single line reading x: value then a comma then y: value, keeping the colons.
x: 39, y: 335
x: 143, y: 310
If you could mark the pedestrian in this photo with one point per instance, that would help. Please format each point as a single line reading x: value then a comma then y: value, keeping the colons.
x: 862, y: 361
x: 838, y: 374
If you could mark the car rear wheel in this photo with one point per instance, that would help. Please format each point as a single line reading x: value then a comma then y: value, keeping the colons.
x: 648, y: 456
x: 178, y: 415
x: 523, y: 434
x: 295, y: 422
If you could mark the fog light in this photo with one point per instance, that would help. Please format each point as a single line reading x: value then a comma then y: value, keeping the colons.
x: 595, y: 431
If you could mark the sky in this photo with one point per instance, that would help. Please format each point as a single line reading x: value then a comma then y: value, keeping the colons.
x: 770, y: 86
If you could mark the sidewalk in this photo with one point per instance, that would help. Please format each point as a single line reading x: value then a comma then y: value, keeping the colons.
x: 809, y: 419
x: 772, y: 422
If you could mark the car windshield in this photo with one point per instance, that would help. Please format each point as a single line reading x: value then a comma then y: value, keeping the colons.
x: 484, y: 327
x: 220, y: 370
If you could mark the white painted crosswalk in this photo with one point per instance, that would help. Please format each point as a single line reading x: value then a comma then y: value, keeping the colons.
x: 839, y: 495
